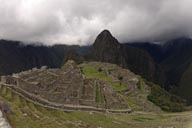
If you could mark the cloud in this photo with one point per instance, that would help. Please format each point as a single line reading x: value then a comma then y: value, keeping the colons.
x: 79, y: 22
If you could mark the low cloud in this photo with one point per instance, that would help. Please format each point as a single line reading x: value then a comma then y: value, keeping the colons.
x: 79, y: 22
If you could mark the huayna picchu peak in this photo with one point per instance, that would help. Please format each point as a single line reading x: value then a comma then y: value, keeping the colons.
x: 106, y: 38
x: 106, y: 48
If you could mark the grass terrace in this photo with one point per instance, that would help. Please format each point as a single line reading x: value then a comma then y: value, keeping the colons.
x: 98, y: 73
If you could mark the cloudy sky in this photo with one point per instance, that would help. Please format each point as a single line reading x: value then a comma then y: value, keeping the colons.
x: 80, y: 21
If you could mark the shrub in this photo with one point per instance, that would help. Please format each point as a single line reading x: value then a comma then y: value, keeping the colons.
x: 100, y: 69
x: 120, y: 78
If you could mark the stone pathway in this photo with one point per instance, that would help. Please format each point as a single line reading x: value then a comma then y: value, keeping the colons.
x: 3, y: 122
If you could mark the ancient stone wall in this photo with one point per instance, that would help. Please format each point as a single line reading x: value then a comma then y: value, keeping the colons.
x: 10, y: 80
x: 32, y: 88
x: 56, y: 88
x: 37, y: 100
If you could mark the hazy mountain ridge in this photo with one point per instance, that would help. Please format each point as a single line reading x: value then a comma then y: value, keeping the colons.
x: 15, y: 57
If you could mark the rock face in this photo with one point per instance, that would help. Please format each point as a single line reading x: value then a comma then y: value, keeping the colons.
x: 3, y: 122
x: 107, y: 49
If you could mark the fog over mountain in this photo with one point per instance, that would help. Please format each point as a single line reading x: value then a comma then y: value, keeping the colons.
x: 72, y: 22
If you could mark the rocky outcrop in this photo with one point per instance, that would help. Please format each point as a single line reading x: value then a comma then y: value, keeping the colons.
x: 3, y: 121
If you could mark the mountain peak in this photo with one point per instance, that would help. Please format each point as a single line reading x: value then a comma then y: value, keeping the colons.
x: 108, y: 49
x: 106, y: 38
x: 106, y: 33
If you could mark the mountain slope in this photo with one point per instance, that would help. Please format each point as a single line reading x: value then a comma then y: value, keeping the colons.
x: 16, y: 57
x: 174, y: 57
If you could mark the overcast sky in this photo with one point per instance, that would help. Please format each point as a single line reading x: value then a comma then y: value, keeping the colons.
x: 80, y: 21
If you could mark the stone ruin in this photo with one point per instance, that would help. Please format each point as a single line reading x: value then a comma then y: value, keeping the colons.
x: 65, y: 86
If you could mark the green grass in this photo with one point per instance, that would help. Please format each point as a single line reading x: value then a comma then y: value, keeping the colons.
x: 3, y: 90
x: 93, y: 72
x: 8, y: 94
x: 141, y: 85
x: 99, y: 96
x: 133, y: 104
x: 143, y: 119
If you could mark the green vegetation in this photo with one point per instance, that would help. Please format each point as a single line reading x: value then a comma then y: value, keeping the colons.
x: 120, y: 78
x: 133, y: 104
x: 99, y: 96
x: 165, y: 100
x: 98, y: 73
x: 137, y: 99
x: 141, y: 85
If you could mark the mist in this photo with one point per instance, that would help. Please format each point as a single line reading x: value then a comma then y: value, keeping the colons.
x: 79, y: 22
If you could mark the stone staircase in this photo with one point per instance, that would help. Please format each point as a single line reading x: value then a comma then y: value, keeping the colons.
x: 3, y: 122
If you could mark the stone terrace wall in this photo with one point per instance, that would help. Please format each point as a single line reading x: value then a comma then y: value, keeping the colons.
x: 38, y: 101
